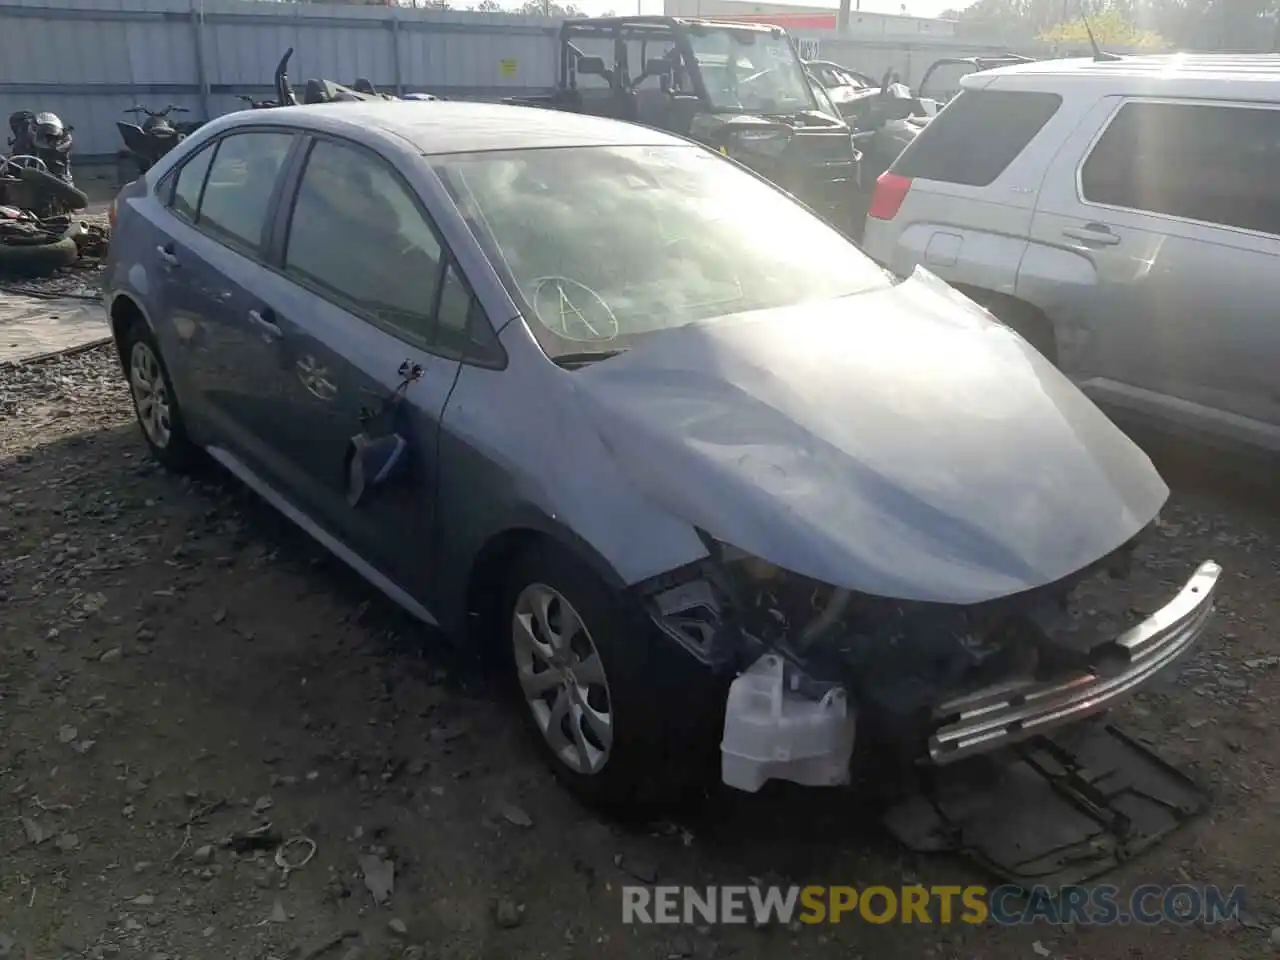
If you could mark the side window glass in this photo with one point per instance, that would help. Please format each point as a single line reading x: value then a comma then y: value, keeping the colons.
x: 357, y: 235
x: 455, y: 302
x: 1174, y: 159
x: 186, y: 192
x: 238, y: 189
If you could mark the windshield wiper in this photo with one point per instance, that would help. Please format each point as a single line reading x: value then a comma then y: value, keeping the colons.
x: 585, y: 357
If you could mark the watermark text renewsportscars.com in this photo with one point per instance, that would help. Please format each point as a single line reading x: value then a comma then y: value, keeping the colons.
x: 1148, y: 904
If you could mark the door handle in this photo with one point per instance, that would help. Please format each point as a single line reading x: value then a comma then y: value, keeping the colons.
x: 1094, y: 233
x: 168, y: 256
x: 266, y: 323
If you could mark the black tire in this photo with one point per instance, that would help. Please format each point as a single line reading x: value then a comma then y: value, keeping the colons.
x: 50, y: 188
x: 37, y: 260
x: 175, y: 451
x: 667, y: 711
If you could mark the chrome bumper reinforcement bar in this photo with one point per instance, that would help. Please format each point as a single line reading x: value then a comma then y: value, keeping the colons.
x: 998, y: 716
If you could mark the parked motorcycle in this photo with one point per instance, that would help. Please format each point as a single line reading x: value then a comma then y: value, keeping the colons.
x: 257, y: 104
x: 146, y: 142
x: 42, y: 136
x: 36, y: 173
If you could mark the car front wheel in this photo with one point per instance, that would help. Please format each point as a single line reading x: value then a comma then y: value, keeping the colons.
x: 623, y: 721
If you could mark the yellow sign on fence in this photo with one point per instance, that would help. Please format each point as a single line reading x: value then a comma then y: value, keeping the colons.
x: 507, y: 68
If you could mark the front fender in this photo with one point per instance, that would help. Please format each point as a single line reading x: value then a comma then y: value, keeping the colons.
x: 517, y: 454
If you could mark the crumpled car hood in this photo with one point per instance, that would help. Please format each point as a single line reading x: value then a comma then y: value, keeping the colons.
x: 899, y: 442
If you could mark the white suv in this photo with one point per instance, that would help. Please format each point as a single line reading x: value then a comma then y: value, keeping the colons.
x: 1124, y: 217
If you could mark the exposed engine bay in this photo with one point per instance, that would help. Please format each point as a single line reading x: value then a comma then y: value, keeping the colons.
x: 993, y: 705
x: 898, y: 658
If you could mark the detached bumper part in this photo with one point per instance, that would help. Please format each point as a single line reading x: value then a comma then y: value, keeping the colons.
x: 774, y: 733
x: 1002, y: 715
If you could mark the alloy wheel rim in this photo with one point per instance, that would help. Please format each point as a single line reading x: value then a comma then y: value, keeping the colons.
x: 150, y: 395
x: 562, y: 678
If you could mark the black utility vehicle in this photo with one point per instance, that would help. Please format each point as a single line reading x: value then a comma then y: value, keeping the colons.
x: 737, y: 87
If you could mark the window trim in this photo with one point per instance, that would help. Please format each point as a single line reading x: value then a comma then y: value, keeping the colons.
x: 263, y: 249
x: 176, y: 174
x: 282, y: 225
x: 1234, y: 104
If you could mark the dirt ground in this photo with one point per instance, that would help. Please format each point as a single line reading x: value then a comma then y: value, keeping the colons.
x: 178, y: 666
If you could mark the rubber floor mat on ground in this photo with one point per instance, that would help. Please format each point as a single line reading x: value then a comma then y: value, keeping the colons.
x: 1061, y: 810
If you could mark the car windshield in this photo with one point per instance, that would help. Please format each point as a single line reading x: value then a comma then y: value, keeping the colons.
x: 750, y: 71
x: 603, y: 246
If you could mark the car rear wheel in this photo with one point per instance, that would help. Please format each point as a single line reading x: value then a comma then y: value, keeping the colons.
x: 154, y: 401
x: 619, y: 724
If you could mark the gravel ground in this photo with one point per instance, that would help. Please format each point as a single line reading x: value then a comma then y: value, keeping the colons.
x: 179, y: 667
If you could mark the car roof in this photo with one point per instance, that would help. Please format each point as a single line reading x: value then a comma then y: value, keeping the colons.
x: 445, y: 126
x: 1216, y: 76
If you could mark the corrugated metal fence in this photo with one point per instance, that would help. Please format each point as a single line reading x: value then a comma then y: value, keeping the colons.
x: 90, y: 60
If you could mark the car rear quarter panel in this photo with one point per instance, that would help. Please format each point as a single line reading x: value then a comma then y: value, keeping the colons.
x: 133, y: 270
x: 518, y: 454
x: 969, y: 234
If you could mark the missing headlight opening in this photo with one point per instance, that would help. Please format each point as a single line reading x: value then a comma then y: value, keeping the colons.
x: 911, y: 670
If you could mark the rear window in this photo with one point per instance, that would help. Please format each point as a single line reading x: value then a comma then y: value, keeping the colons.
x: 976, y: 136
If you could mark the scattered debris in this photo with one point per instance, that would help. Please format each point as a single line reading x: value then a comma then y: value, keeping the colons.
x: 646, y: 871
x: 397, y: 927
x: 67, y: 733
x: 508, y: 913
x: 1040, y: 949
x: 288, y: 864
x: 112, y: 656
x: 379, y: 877
x: 278, y: 914
x: 513, y: 814
x: 68, y: 842
x: 448, y: 732
x: 330, y: 943
x: 36, y: 834
x: 260, y: 838
x: 203, y: 855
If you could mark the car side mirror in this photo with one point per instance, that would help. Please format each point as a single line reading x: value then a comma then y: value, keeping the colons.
x: 592, y: 67
x: 372, y: 462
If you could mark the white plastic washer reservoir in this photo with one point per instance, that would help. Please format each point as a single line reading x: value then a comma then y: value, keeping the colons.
x: 775, y: 733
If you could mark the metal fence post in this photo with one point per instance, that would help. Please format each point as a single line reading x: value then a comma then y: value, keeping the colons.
x: 395, y: 54
x: 197, y: 39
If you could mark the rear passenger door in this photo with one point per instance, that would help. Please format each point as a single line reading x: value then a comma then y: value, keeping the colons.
x: 212, y: 262
x: 1171, y: 210
x: 364, y: 296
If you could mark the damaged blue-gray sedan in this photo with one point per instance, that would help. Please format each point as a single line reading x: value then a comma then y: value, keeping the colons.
x: 714, y: 487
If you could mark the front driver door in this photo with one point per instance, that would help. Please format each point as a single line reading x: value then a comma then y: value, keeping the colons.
x: 356, y: 295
